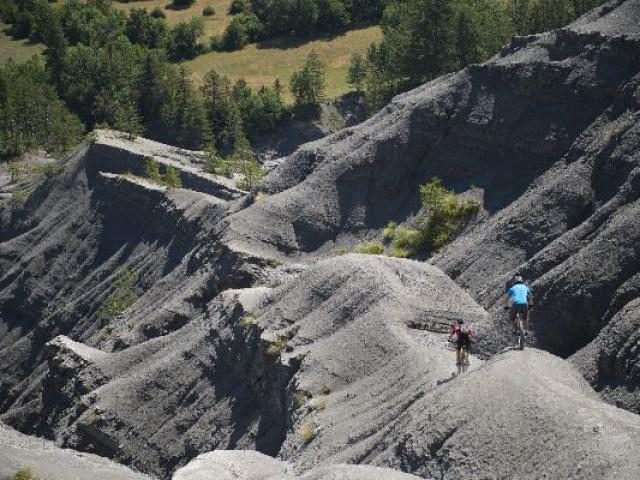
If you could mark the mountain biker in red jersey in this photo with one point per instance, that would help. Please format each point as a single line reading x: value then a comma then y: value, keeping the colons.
x: 462, y: 334
x: 518, y: 299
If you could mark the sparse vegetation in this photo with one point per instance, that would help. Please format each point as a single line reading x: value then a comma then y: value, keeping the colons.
x: 170, y: 179
x: 276, y: 347
x: 122, y: 296
x: 261, y: 197
x: 370, y: 248
x: 389, y: 231
x: 152, y: 170
x: 340, y: 250
x: 92, y: 417
x: 406, y: 242
x: 49, y: 170
x: 307, y: 432
x: 319, y: 404
x: 325, y: 388
x: 300, y: 398
x: 247, y: 320
x: 208, y: 11
x: 442, y: 216
x: 26, y: 474
x: 18, y: 197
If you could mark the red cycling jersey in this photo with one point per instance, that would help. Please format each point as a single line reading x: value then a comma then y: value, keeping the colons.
x: 456, y: 327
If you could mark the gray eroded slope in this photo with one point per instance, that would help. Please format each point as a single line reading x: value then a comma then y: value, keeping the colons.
x: 232, y: 345
x: 19, y: 451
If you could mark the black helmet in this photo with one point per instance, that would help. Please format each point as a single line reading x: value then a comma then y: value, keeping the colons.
x: 518, y: 279
x: 460, y: 321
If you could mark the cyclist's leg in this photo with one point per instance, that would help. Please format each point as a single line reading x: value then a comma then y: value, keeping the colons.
x: 525, y: 318
x: 458, y: 354
x: 512, y: 316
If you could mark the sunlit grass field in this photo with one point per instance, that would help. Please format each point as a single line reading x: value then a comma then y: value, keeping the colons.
x: 257, y: 64
x: 262, y: 64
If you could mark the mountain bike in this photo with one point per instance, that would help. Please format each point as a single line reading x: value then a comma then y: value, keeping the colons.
x: 462, y: 359
x: 462, y: 355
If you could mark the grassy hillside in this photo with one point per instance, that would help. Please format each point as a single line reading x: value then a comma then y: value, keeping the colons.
x: 262, y: 64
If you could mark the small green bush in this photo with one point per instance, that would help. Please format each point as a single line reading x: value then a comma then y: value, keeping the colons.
x: 390, y: 231
x: 443, y: 214
x: 325, y: 389
x: 49, y: 170
x: 171, y: 179
x: 320, y: 404
x: 275, y: 348
x: 18, y: 197
x: 300, y: 398
x: 340, y: 250
x: 208, y: 11
x: 370, y: 248
x: 16, y: 170
x: 152, y: 170
x: 307, y: 432
x: 122, y: 296
x: 25, y: 474
x: 248, y: 320
x: 407, y: 242
x: 261, y: 197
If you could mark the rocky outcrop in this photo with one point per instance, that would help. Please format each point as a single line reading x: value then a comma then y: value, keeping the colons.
x: 114, y: 152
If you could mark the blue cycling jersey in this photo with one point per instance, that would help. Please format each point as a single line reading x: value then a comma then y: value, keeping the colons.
x: 519, y: 294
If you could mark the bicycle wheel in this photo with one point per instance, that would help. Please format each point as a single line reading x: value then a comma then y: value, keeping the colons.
x: 465, y: 359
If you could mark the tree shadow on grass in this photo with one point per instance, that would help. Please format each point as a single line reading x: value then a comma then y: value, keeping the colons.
x: 177, y: 8
x: 286, y: 43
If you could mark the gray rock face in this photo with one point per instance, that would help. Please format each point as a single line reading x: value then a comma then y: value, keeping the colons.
x: 18, y: 451
x: 247, y: 332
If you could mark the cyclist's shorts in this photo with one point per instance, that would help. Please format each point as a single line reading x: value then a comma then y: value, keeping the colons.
x: 463, y: 341
x: 515, y: 309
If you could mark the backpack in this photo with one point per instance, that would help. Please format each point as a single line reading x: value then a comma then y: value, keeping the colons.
x: 463, y: 330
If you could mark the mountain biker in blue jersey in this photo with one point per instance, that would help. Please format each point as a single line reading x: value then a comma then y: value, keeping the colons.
x: 519, y: 297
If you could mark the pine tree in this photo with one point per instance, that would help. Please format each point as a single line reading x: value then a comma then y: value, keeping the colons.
x: 171, y: 179
x: 308, y: 83
x: 152, y: 170
x: 357, y: 72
